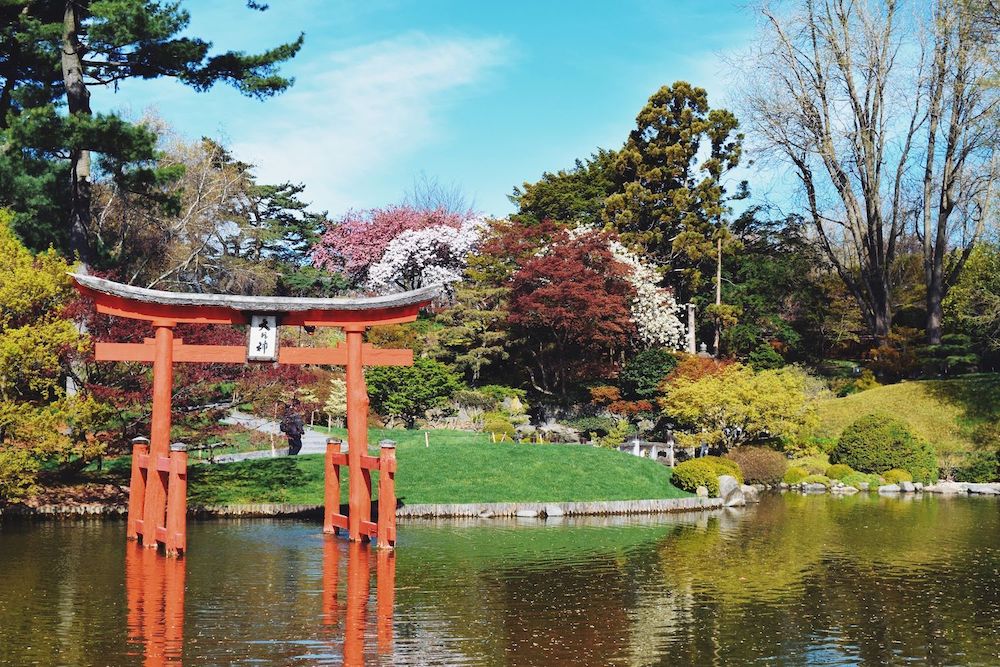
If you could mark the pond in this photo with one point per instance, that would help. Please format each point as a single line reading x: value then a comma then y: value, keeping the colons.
x: 795, y: 580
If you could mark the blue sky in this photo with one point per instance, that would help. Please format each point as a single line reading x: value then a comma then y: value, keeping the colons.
x: 482, y: 95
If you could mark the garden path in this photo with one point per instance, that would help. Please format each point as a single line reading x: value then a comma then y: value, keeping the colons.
x: 313, y: 442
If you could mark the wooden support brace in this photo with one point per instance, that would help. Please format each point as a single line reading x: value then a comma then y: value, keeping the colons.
x: 331, y: 493
x: 387, y: 495
x: 176, y: 528
x: 137, y: 486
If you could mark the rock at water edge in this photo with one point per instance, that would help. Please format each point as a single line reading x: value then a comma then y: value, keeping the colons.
x: 730, y: 491
x: 553, y: 510
x: 907, y: 487
x: 751, y: 493
x: 701, y: 492
x: 889, y: 488
x: 947, y: 488
x: 527, y: 514
x: 983, y: 489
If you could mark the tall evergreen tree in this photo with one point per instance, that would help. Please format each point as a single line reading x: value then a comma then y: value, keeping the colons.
x: 670, y: 201
x: 53, y: 54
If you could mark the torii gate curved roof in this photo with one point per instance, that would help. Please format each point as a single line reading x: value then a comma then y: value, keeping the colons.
x: 148, y: 304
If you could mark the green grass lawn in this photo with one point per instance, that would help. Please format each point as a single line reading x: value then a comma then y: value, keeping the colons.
x: 458, y: 467
x: 944, y: 412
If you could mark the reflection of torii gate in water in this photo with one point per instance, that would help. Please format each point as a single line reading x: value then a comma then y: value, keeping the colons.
x: 157, y: 495
x: 155, y: 587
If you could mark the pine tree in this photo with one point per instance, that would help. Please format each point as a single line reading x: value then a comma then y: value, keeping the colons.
x: 53, y: 54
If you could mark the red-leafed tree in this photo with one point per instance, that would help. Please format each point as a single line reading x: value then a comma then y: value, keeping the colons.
x: 569, y: 308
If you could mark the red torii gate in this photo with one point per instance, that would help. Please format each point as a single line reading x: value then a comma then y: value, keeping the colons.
x: 158, y: 493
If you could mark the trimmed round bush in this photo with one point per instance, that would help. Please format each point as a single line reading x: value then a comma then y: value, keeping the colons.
x: 694, y: 473
x: 759, y: 465
x: 879, y: 442
x: 857, y: 479
x: 817, y: 479
x: 499, y: 423
x: 795, y: 475
x: 724, y: 467
x: 895, y: 476
x: 839, y: 471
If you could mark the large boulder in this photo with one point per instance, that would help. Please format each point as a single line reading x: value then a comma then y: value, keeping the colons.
x: 949, y: 488
x: 731, y: 491
x: 751, y: 493
x: 983, y: 489
x: 888, y: 489
x: 814, y: 487
x: 907, y: 487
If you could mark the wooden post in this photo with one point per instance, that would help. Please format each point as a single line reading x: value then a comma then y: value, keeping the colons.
x: 387, y: 494
x: 359, y: 481
x: 358, y: 587
x: 137, y: 486
x: 156, y: 480
x: 385, y: 598
x: 176, y: 542
x: 331, y: 493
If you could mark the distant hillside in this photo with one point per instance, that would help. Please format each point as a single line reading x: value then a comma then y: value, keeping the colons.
x: 944, y: 412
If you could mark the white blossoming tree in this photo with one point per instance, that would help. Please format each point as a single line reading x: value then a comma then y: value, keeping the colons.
x: 654, y: 309
x: 416, y: 258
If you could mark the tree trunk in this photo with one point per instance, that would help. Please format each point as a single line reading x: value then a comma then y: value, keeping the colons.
x: 78, y: 100
x: 718, y: 296
x: 935, y: 313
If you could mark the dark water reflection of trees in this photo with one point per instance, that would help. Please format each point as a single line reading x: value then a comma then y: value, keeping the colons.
x: 796, y: 580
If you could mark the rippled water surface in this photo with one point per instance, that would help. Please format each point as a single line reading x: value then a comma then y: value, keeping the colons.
x: 794, y: 581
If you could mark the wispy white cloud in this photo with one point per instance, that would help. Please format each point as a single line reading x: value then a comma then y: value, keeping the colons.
x: 358, y: 110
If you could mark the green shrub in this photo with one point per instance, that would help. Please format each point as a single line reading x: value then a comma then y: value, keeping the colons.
x: 765, y: 358
x: 879, y: 442
x: 759, y: 465
x: 795, y: 475
x: 641, y: 375
x: 499, y: 423
x: 474, y: 399
x: 815, y: 465
x: 693, y: 473
x: 895, y: 476
x: 979, y: 468
x: 724, y: 467
x: 595, y: 426
x: 817, y: 479
x: 856, y: 479
x: 839, y: 471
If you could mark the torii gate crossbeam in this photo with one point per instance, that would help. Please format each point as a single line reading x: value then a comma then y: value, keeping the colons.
x: 157, y: 497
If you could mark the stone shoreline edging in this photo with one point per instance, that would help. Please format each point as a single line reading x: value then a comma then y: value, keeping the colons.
x: 484, y: 510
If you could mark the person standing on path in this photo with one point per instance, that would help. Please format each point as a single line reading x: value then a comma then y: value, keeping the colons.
x: 293, y: 426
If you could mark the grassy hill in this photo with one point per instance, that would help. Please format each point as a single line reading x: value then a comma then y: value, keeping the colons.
x: 944, y: 412
x: 457, y: 467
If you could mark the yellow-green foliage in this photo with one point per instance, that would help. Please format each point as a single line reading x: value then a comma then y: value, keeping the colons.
x: 935, y: 410
x: 616, y: 435
x: 795, y: 474
x: 693, y: 473
x: 768, y: 404
x: 839, y: 471
x: 36, y: 422
x: 498, y: 423
x: 814, y: 465
x: 856, y: 479
x: 896, y: 475
x: 724, y: 466
x: 816, y: 479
